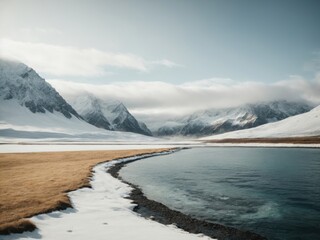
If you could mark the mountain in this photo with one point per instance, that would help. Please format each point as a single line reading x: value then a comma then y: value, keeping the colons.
x: 216, y: 121
x: 19, y: 82
x: 302, y: 125
x: 30, y: 108
x: 108, y: 115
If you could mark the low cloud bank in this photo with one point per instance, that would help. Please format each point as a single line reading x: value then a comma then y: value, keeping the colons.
x: 160, y: 100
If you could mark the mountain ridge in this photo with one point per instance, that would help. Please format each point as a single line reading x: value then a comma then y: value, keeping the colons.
x: 30, y: 108
x: 301, y: 125
x: 111, y: 115
x: 216, y: 121
x: 20, y: 82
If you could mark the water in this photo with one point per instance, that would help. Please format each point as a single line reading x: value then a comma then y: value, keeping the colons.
x: 271, y: 191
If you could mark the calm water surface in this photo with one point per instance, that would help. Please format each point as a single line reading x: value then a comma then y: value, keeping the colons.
x: 271, y: 191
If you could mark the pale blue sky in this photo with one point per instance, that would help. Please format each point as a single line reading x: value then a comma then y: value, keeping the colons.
x: 171, y: 41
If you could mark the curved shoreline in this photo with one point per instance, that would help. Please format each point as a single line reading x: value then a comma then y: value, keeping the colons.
x: 159, y: 212
x: 21, y: 171
x: 101, y: 212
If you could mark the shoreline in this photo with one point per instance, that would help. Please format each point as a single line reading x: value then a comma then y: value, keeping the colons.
x: 148, y: 209
x: 30, y: 187
x: 103, y: 211
x: 156, y: 211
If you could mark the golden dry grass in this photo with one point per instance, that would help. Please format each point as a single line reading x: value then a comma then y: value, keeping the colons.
x: 33, y: 183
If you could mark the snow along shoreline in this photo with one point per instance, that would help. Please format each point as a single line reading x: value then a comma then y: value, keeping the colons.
x: 102, y: 212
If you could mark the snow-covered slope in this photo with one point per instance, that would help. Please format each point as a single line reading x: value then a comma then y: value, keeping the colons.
x: 18, y: 122
x: 31, y: 108
x: 217, y: 121
x: 305, y: 124
x: 111, y: 115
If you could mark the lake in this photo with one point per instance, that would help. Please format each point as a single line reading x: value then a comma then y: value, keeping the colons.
x: 274, y: 192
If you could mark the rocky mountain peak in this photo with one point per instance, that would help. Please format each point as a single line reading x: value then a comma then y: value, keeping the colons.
x: 215, y: 121
x: 20, y: 83
x: 111, y: 115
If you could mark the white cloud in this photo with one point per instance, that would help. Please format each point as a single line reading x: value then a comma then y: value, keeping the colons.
x: 166, y: 63
x: 71, y: 61
x: 159, y: 100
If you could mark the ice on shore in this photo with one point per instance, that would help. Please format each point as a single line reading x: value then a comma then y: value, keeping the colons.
x: 102, y: 213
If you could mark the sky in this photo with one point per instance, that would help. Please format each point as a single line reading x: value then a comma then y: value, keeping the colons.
x: 153, y: 44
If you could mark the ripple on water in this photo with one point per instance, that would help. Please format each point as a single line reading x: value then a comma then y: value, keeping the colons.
x: 274, y: 192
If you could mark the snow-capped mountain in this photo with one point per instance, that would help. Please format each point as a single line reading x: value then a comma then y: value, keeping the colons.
x: 301, y: 125
x: 30, y: 108
x: 112, y: 115
x: 22, y: 83
x: 216, y: 121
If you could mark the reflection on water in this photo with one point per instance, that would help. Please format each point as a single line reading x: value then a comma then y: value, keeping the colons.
x: 272, y: 191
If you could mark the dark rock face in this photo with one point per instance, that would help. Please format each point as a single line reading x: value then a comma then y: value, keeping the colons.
x: 144, y: 128
x: 98, y: 120
x: 126, y: 122
x: 23, y: 84
x: 225, y: 120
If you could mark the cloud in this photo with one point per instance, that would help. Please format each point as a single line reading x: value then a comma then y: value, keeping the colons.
x: 70, y: 61
x: 166, y: 63
x: 159, y: 100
